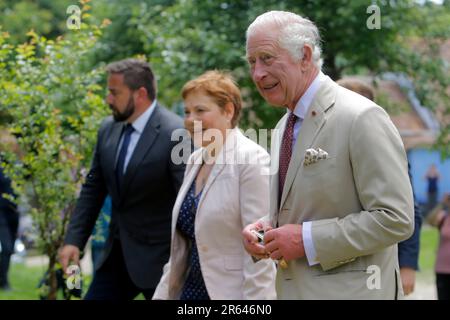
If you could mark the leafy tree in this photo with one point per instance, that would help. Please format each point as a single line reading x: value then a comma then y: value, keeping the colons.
x: 46, y: 17
x: 185, y: 38
x: 56, y: 106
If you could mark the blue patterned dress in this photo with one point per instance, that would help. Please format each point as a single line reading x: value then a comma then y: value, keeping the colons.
x: 194, y: 288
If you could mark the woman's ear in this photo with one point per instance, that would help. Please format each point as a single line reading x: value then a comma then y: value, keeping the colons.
x: 229, y: 110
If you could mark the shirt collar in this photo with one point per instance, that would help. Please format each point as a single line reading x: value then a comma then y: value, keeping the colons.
x: 140, y: 123
x: 305, y: 101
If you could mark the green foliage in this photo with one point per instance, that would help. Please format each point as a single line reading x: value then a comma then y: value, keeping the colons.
x: 56, y: 106
x: 391, y: 107
x: 184, y: 38
x: 46, y: 17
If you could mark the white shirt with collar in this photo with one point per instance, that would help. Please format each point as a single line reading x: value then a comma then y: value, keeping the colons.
x: 138, y: 126
x: 302, y: 107
x: 300, y: 110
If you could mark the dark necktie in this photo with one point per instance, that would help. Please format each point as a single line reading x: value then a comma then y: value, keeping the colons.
x: 285, y: 152
x: 123, y: 153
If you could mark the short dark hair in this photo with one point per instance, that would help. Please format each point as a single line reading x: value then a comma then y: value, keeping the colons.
x: 136, y: 74
x: 358, y: 86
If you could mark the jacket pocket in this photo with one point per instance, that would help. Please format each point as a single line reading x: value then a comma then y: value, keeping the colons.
x: 233, y: 263
x: 320, y: 166
x: 358, y: 265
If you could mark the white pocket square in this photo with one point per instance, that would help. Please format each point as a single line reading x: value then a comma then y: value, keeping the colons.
x: 314, y: 155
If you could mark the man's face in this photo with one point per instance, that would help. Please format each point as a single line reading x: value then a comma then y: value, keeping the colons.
x: 276, y: 75
x: 120, y: 98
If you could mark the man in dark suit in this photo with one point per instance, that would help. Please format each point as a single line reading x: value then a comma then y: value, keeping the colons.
x: 9, y: 223
x: 132, y: 163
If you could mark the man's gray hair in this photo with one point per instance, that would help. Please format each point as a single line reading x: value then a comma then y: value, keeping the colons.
x: 295, y: 32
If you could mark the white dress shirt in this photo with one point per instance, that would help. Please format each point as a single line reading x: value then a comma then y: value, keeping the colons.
x: 138, y: 126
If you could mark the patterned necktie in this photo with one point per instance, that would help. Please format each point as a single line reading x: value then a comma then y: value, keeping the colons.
x: 123, y: 153
x: 285, y: 152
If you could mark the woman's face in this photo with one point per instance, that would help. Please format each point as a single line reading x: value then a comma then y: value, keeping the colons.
x: 205, y: 120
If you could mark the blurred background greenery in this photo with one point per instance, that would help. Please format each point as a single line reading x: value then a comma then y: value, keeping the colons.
x: 183, y: 38
x: 52, y: 80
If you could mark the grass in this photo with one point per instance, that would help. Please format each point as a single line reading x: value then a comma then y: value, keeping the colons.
x: 429, y: 238
x: 24, y: 281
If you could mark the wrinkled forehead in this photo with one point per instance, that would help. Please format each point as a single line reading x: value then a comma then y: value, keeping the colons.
x: 262, y: 36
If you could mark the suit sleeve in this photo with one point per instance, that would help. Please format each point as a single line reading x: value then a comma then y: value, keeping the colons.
x: 259, y: 277
x: 381, y: 179
x: 92, y: 196
x: 162, y: 289
x: 408, y: 250
x: 177, y: 170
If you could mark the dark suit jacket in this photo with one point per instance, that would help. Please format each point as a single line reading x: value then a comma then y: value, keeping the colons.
x: 408, y: 250
x: 8, y: 210
x: 141, y: 213
x: 5, y: 188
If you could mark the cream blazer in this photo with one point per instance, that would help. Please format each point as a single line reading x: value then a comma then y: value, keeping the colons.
x: 236, y: 194
x: 359, y: 199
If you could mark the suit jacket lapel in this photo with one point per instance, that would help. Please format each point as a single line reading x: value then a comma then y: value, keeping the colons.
x: 225, y: 157
x: 277, y: 136
x: 111, y: 150
x: 144, y: 144
x: 187, y: 182
x: 311, y: 126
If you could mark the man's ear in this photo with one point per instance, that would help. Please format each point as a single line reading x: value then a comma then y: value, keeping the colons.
x: 142, y: 94
x: 307, y: 57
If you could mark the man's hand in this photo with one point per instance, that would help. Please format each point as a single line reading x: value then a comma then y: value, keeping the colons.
x: 285, y: 242
x: 446, y: 199
x: 408, y: 276
x: 250, y: 240
x: 69, y: 254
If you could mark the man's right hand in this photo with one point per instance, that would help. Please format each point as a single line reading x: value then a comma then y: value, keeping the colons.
x: 69, y: 254
x: 250, y: 240
x: 446, y: 199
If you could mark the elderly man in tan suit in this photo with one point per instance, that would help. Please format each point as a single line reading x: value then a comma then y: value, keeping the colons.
x: 341, y: 199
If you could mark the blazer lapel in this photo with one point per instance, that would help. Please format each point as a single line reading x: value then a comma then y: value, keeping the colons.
x: 277, y: 136
x: 311, y: 126
x: 225, y: 157
x: 187, y: 182
x: 146, y: 140
x: 111, y: 150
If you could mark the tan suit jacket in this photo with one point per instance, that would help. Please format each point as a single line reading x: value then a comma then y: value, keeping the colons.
x: 359, y: 199
x: 235, y: 195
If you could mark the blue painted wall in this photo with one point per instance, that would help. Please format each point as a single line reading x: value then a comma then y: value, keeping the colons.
x: 420, y: 160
